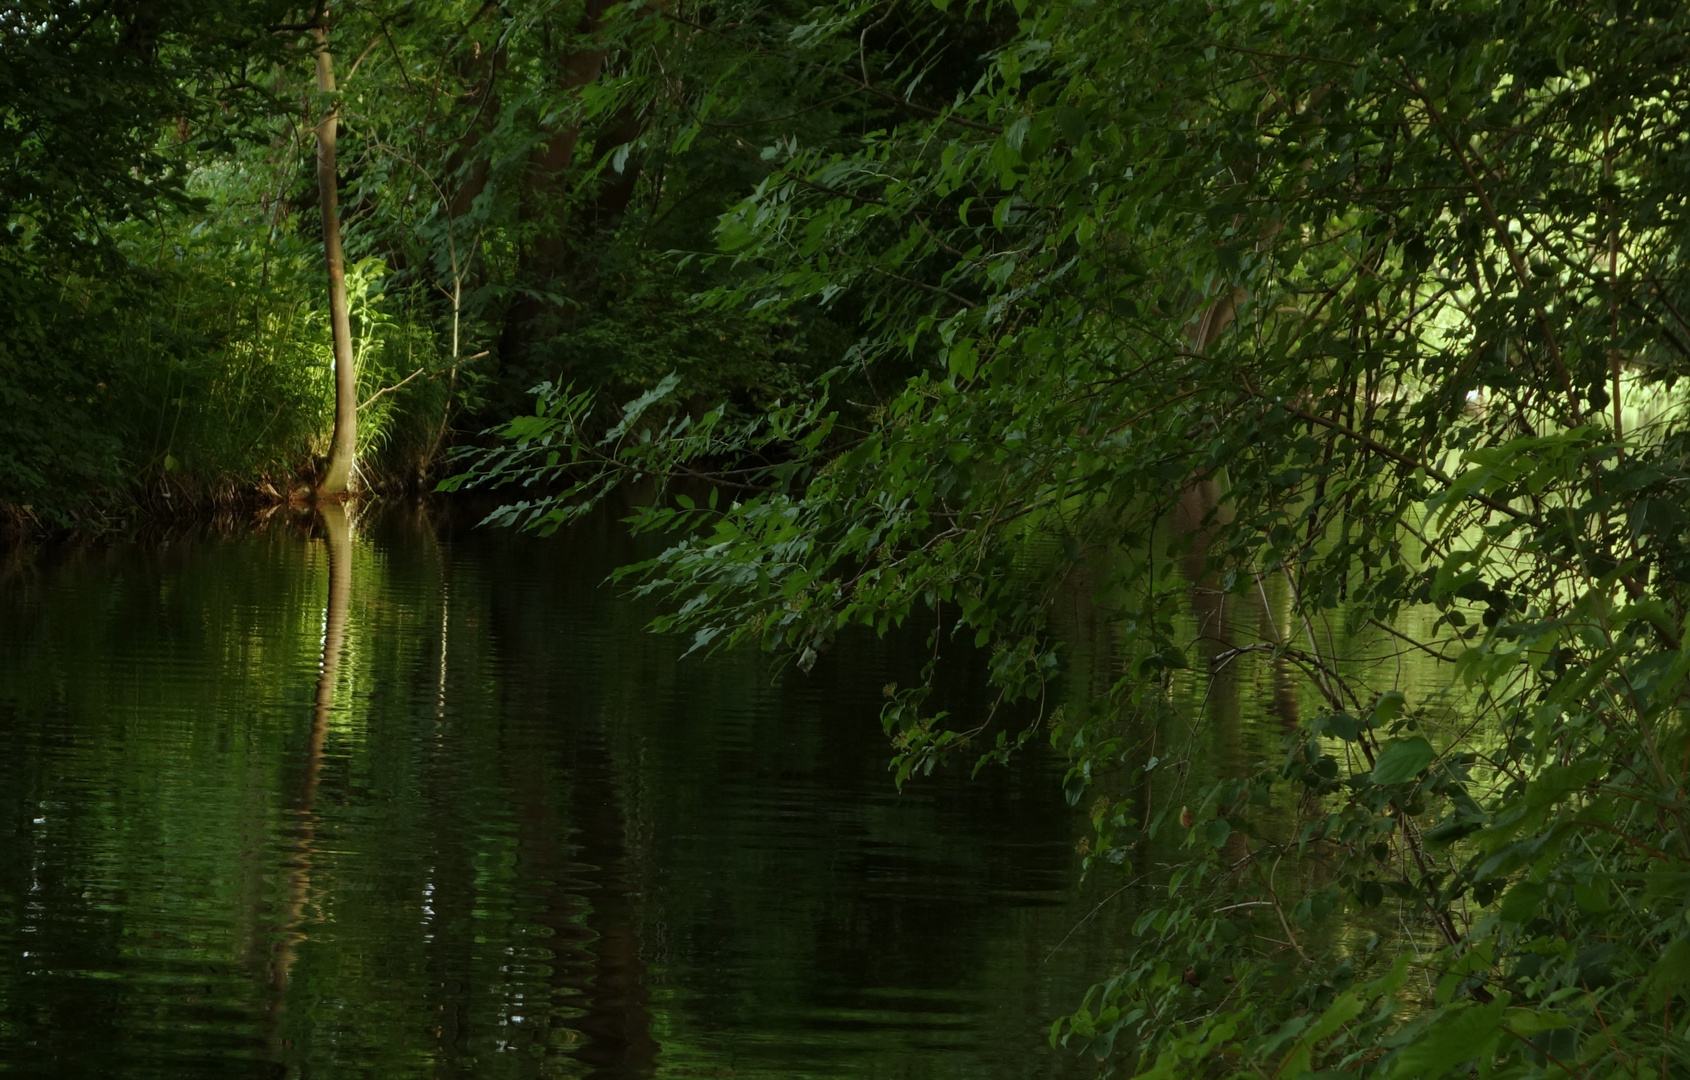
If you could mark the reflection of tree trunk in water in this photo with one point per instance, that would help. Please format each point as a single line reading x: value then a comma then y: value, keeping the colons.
x: 338, y: 539
x: 1199, y: 505
x: 596, y: 959
x: 617, y: 1024
x: 1276, y: 629
x: 1209, y: 606
x: 1214, y: 626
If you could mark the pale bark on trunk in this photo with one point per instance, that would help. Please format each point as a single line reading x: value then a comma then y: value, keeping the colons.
x: 338, y: 477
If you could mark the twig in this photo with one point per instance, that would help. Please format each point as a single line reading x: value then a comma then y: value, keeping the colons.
x: 390, y: 389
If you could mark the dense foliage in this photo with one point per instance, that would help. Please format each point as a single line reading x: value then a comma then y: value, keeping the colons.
x: 83, y: 102
x: 1371, y: 314
x: 510, y: 177
x: 1365, y: 317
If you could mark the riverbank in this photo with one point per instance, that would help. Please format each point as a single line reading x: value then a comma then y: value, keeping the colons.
x: 164, y: 500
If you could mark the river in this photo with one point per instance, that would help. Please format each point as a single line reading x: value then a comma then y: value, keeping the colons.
x: 400, y: 797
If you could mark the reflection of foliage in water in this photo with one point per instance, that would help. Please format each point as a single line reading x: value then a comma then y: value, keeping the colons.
x: 522, y: 807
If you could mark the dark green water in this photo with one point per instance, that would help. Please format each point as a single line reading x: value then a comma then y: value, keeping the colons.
x: 453, y: 814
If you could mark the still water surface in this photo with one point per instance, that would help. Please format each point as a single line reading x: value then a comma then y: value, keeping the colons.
x: 418, y: 800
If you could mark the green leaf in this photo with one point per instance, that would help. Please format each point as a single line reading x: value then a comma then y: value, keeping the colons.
x: 1402, y: 759
x: 1523, y: 902
x: 1593, y: 896
x: 1346, y: 1007
x: 1670, y: 973
x: 1463, y: 1033
x: 1345, y: 726
x: 1388, y: 707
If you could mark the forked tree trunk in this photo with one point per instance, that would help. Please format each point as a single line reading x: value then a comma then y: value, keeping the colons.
x: 338, y: 477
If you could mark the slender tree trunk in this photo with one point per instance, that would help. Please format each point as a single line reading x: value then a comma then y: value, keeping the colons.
x: 338, y: 478
x: 530, y: 319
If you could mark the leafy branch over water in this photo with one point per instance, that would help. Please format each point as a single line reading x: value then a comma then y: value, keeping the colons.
x: 1377, y: 309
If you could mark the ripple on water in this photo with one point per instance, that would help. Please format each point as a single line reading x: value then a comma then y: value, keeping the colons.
x: 497, y: 831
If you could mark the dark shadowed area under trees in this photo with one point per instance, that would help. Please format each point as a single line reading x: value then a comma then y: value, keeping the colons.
x: 1028, y: 376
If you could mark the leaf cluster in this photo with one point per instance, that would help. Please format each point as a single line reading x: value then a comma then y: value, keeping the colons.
x: 1373, y: 307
